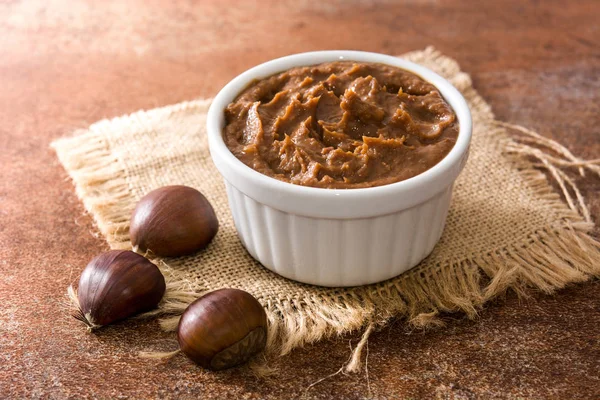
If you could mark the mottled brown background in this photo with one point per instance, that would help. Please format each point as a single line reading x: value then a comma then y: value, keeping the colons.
x: 66, y: 64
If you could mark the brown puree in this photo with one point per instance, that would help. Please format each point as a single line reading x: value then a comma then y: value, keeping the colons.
x: 340, y: 125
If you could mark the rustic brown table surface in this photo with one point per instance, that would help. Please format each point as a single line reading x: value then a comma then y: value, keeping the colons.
x: 66, y: 64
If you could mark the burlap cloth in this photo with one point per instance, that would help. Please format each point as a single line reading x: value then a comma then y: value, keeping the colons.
x: 506, y: 228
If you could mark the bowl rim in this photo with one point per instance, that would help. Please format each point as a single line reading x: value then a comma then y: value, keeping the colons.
x: 336, y: 203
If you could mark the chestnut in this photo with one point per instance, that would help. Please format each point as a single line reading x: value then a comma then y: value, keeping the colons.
x: 118, y: 284
x: 173, y: 221
x: 223, y: 329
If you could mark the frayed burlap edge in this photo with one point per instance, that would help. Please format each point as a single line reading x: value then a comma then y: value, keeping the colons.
x: 548, y: 259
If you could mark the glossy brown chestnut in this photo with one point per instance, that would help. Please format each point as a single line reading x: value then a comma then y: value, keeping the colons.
x: 116, y: 285
x: 222, y: 329
x: 173, y: 221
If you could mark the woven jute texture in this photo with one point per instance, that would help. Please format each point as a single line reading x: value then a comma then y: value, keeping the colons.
x: 507, y: 228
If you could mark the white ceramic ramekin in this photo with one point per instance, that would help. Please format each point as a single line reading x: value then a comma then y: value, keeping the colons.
x: 338, y: 237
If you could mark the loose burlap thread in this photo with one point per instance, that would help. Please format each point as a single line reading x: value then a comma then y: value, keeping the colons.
x: 506, y: 229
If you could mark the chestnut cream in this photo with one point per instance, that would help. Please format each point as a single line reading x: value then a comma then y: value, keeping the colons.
x: 341, y: 124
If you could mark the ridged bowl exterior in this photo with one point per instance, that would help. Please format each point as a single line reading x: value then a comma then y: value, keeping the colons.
x: 338, y: 252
